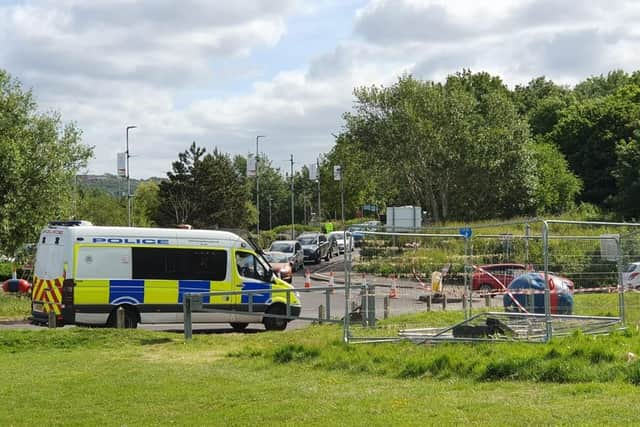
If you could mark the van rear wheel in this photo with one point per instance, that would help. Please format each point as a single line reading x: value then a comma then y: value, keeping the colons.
x: 238, y: 326
x: 275, y: 323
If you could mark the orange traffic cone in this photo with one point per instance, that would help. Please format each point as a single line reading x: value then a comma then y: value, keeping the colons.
x: 393, y: 292
x: 307, y: 278
x: 331, y: 282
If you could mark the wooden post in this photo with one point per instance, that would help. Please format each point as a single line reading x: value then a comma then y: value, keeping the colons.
x: 444, y: 302
x: 188, y: 327
x: 320, y: 313
x: 487, y: 300
x: 52, y: 319
x: 428, y: 302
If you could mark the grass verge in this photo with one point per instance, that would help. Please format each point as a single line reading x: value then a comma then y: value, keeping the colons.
x: 14, y: 307
x: 81, y: 376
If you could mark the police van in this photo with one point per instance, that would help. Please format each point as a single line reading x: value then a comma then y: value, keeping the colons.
x: 84, y: 273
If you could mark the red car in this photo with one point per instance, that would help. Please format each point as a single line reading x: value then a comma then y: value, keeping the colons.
x: 496, y: 277
x: 281, y: 264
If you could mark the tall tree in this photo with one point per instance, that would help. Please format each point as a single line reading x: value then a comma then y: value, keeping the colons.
x: 445, y: 144
x: 589, y: 134
x: 204, y: 190
x: 39, y: 157
x: 146, y: 203
x: 179, y: 193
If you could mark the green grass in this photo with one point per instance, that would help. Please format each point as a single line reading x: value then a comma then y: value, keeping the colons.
x: 81, y: 376
x: 14, y: 307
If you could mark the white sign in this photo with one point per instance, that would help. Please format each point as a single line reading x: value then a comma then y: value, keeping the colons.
x: 251, y: 165
x: 337, y: 173
x: 122, y: 164
x: 313, y: 171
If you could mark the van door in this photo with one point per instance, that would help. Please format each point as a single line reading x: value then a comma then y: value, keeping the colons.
x: 251, y: 274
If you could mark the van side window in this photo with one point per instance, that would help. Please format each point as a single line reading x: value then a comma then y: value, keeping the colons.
x: 249, y: 266
x: 179, y: 264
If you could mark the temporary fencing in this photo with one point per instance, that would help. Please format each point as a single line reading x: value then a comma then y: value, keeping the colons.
x: 555, y: 276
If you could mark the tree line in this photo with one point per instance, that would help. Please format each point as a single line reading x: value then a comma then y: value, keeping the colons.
x: 468, y: 148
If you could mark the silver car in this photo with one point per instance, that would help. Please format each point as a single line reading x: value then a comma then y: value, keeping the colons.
x: 293, y: 249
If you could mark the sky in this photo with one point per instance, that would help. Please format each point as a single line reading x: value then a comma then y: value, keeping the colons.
x: 222, y: 72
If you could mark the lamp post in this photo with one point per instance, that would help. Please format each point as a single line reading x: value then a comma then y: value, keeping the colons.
x: 270, y: 225
x: 128, y: 178
x: 258, y: 183
x: 293, y: 227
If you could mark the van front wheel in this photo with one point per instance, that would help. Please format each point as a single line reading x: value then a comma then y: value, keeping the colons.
x: 275, y: 323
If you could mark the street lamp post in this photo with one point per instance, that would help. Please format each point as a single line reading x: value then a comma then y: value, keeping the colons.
x: 128, y: 178
x: 258, y: 183
x: 293, y: 227
x: 270, y: 225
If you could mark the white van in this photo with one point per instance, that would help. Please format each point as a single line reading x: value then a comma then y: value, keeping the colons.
x: 83, y: 273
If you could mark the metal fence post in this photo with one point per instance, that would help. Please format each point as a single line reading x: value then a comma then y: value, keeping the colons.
x: 363, y: 305
x: 621, y: 310
x: 371, y: 306
x: 186, y: 306
x: 328, y: 303
x: 467, y: 290
x: 547, y: 293
x: 386, y: 307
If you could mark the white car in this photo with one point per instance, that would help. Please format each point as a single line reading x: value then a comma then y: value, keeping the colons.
x: 339, y: 238
x: 631, y: 275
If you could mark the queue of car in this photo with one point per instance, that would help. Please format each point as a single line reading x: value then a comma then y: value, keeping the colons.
x: 288, y: 256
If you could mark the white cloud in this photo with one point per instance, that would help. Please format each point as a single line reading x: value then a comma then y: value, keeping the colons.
x: 208, y: 71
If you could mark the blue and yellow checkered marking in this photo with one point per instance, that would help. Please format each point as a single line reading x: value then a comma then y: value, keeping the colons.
x: 126, y: 291
x: 258, y: 298
x: 137, y: 291
x: 193, y: 286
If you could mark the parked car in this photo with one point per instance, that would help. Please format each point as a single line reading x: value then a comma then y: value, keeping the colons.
x: 339, y: 238
x: 496, y: 277
x: 281, y: 264
x: 631, y: 275
x: 293, y: 249
x: 560, y: 289
x: 315, y: 247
